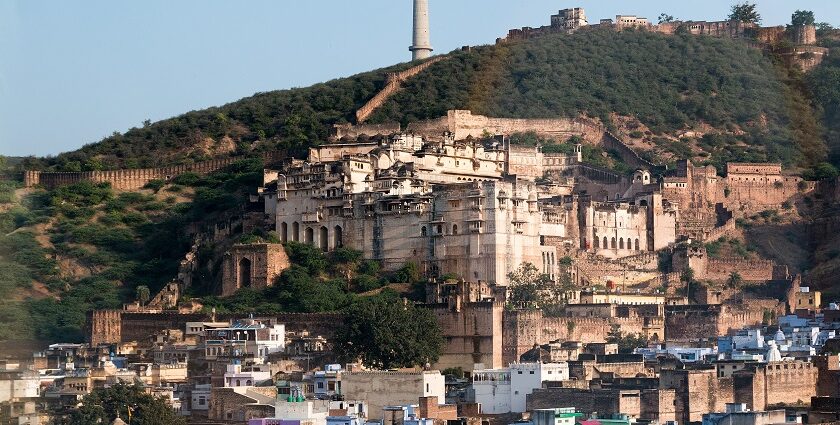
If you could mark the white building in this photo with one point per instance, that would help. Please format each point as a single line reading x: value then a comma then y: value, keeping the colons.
x: 504, y: 390
x: 247, y: 337
x: 250, y: 376
x: 748, y: 339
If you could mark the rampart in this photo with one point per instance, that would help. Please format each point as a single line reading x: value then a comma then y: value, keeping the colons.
x: 522, y: 329
x: 392, y: 84
x: 698, y: 323
x: 116, y: 326
x: 749, y: 270
x: 131, y: 179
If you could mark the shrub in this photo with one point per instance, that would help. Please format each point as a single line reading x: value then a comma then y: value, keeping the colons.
x: 155, y: 185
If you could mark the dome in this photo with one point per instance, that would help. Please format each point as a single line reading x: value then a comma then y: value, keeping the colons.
x: 118, y: 421
x: 779, y: 337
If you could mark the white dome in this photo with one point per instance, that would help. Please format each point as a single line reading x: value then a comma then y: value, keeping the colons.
x: 780, y: 336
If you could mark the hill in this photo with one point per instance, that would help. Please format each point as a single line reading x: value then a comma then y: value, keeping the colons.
x: 87, y: 246
x: 663, y: 84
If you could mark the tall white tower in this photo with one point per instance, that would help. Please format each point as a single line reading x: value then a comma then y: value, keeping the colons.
x: 422, y: 47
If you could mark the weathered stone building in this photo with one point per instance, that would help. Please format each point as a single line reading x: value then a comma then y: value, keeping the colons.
x: 252, y: 266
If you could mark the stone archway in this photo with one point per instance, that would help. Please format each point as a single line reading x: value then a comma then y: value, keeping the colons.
x: 338, y: 237
x: 244, y: 275
x: 323, y: 238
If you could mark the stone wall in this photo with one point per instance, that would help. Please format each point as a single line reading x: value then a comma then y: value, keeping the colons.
x: 603, y: 401
x: 393, y: 82
x: 350, y: 131
x: 131, y: 179
x: 720, y: 269
x: 472, y: 334
x: 699, y: 323
x: 115, y: 326
x: 522, y: 329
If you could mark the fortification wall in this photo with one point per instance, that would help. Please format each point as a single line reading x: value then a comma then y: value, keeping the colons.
x: 523, y: 328
x: 744, y: 196
x: 791, y: 383
x: 131, y: 179
x: 114, y: 326
x: 393, y: 82
x: 749, y: 270
x: 472, y: 334
x: 611, y: 142
x: 351, y: 131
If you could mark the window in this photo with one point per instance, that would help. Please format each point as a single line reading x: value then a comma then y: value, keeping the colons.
x: 320, y: 385
x: 519, y: 372
x: 532, y: 372
x: 423, y: 231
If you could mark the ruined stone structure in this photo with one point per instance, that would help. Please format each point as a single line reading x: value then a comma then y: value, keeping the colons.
x: 252, y: 265
x: 131, y: 179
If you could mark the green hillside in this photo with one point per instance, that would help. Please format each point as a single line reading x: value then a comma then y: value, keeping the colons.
x: 668, y: 83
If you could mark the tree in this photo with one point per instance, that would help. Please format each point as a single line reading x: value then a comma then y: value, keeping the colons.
x: 386, y: 334
x: 526, y: 283
x: 143, y: 294
x: 626, y: 342
x: 104, y: 405
x: 528, y: 287
x: 735, y: 280
x: 802, y: 17
x: 824, y: 27
x: 665, y: 18
x: 745, y: 12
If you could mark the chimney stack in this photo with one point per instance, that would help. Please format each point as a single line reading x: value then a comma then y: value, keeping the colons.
x: 422, y: 47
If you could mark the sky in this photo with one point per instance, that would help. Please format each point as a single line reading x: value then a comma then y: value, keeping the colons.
x: 72, y: 73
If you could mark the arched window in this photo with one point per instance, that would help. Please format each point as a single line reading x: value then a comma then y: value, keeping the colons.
x: 605, y: 243
x: 284, y: 232
x: 248, y: 382
x: 244, y: 273
x: 238, y: 382
x: 440, y: 229
x: 296, y: 232
x: 612, y: 243
x: 637, y: 244
x: 621, y: 243
x: 423, y: 231
x: 597, y: 242
x: 454, y: 229
x: 309, y: 236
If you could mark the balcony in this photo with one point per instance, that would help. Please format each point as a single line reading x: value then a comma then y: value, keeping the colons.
x: 475, y: 216
x: 311, y: 217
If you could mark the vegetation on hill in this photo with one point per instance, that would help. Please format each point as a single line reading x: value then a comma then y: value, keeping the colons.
x: 669, y: 83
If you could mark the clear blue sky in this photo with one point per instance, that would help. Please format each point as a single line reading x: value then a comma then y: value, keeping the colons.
x: 72, y: 72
